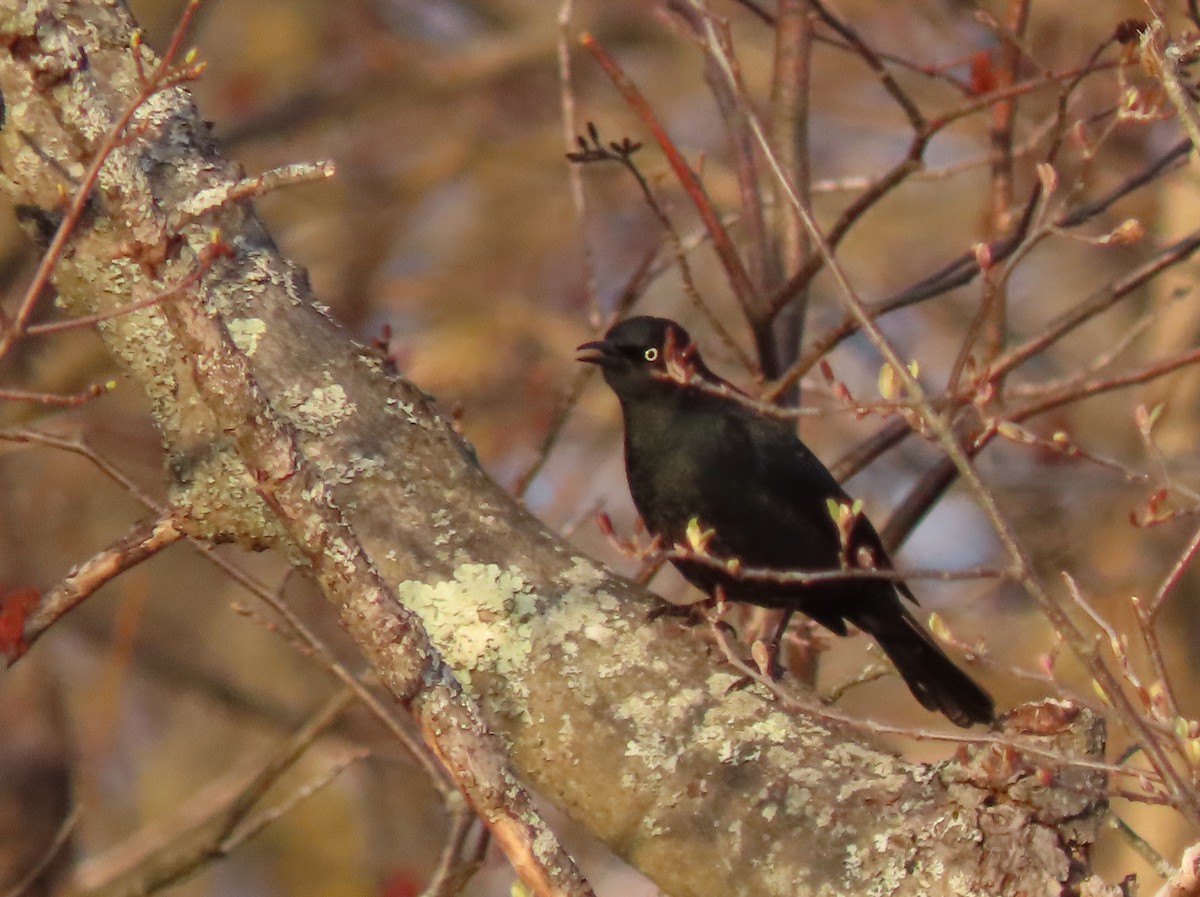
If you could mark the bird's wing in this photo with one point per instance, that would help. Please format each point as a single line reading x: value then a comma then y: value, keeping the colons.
x: 803, y: 486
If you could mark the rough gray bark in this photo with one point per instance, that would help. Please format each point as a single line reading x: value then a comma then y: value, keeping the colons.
x: 631, y: 727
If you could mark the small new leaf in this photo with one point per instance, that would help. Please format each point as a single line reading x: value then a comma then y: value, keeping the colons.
x: 1010, y: 431
x: 938, y: 628
x: 834, y: 507
x: 761, y: 656
x: 1193, y: 750
x: 697, y: 536
x: 889, y: 383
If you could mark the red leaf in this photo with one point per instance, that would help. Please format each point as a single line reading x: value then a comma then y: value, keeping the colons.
x: 399, y: 883
x: 14, y: 608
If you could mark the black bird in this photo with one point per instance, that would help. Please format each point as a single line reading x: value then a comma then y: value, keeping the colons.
x: 706, y: 468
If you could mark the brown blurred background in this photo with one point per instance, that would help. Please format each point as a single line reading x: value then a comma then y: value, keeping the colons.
x: 451, y: 222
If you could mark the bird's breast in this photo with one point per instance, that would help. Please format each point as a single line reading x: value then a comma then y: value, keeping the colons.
x: 680, y: 467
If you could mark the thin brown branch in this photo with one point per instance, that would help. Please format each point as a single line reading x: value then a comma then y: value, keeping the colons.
x: 993, y: 317
x: 315, y: 647
x: 632, y: 291
x: 916, y: 120
x: 570, y: 127
x: 205, y: 202
x: 1100, y: 301
x: 1065, y: 394
x: 1162, y: 693
x: 592, y: 149
x: 1163, y: 592
x: 790, y: 100
x: 203, y: 262
x: 323, y: 654
x: 251, y: 827
x: 960, y: 272
x: 965, y: 268
x: 459, y: 860
x: 78, y: 447
x: 143, y: 541
x: 58, y: 399
x: 806, y: 577
x: 1163, y: 56
x: 182, y: 856
x: 60, y: 840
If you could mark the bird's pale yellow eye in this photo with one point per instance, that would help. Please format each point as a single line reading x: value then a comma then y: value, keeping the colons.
x: 651, y: 354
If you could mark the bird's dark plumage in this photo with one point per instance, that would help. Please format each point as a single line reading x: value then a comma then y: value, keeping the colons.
x: 697, y: 453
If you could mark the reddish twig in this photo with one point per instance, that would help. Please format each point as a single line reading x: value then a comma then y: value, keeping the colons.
x: 204, y: 261
x: 739, y: 280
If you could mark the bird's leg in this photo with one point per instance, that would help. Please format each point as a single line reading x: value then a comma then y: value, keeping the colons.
x: 770, y: 664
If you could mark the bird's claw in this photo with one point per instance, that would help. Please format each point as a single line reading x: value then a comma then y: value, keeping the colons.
x: 688, y: 614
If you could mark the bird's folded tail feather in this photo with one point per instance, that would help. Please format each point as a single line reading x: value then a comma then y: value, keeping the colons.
x: 930, y: 675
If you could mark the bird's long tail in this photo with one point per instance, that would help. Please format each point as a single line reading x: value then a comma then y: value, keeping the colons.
x: 929, y: 674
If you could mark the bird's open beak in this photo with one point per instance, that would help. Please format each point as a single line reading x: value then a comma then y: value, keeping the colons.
x: 599, y: 352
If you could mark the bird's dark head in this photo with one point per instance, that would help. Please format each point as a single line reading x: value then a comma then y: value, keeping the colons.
x: 639, y: 352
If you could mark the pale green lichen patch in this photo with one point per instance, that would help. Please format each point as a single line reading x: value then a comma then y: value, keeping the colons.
x: 480, y: 621
x: 320, y: 412
x: 220, y: 500
x: 346, y: 471
x: 652, y: 719
x: 585, y: 613
x: 246, y: 333
x: 723, y: 733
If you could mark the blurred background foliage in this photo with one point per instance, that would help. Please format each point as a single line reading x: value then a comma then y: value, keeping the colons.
x: 451, y: 222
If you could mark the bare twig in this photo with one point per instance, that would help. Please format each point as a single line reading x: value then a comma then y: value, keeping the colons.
x: 53, y: 849
x: 143, y: 541
x: 633, y: 290
x: 207, y: 201
x: 50, y: 398
x: 1164, y: 57
x: 323, y: 654
x: 592, y: 149
x: 204, y: 261
x: 459, y: 860
x: 79, y: 447
x: 570, y: 127
x: 216, y: 835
